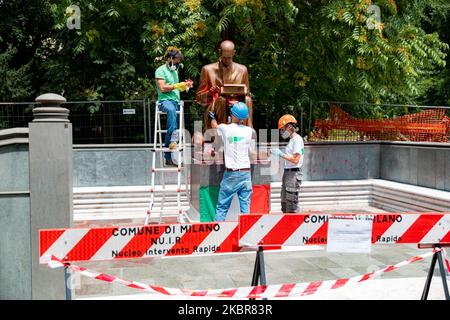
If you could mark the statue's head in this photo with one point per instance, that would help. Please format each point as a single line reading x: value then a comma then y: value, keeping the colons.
x: 226, y: 52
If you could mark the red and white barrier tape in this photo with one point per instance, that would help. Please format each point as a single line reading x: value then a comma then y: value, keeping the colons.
x: 262, y: 291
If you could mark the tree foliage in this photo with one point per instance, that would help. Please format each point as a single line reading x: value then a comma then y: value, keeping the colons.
x: 295, y: 50
x: 24, y: 24
x: 438, y: 20
x: 14, y: 84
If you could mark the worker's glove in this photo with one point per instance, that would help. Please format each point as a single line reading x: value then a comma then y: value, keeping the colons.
x: 180, y: 86
x: 211, y: 115
x: 276, y: 152
x: 189, y: 84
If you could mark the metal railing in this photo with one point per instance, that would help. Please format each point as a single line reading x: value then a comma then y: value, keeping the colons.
x: 16, y: 114
x: 105, y: 122
x: 101, y: 122
x: 131, y: 121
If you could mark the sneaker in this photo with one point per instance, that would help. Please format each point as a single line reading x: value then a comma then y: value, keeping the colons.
x: 170, y: 163
x: 173, y: 145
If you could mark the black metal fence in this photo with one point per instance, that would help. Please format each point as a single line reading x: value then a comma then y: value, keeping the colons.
x: 102, y: 122
x: 132, y: 121
x: 16, y: 114
x: 192, y: 112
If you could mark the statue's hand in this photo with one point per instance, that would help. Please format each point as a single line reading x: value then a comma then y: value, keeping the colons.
x: 214, y: 89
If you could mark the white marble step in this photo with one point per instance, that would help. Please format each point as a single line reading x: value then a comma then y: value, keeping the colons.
x: 143, y: 208
x: 132, y: 201
x: 395, y: 207
x: 172, y: 197
x: 118, y: 201
x: 411, y: 201
x: 412, y: 190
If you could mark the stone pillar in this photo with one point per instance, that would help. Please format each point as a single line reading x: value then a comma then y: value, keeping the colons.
x: 51, y: 189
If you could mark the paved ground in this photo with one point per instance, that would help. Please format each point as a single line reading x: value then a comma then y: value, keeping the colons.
x: 235, y: 270
x: 378, y: 289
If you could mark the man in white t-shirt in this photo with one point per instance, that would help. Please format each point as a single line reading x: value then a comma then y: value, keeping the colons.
x: 238, y: 145
x: 293, y: 162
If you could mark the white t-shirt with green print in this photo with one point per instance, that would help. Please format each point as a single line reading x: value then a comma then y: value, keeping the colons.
x: 294, y: 146
x: 237, y: 141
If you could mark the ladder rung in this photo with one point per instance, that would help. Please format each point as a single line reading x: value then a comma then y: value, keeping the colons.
x: 167, y: 211
x: 162, y: 112
x: 169, y: 197
x: 166, y: 149
x: 158, y: 147
x: 171, y: 169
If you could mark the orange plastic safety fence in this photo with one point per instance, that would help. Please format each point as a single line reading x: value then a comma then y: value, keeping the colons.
x: 428, y: 125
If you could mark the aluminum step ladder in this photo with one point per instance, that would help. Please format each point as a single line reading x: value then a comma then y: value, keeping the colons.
x: 158, y: 147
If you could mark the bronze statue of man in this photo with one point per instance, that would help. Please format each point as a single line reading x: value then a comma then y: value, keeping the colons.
x: 214, y: 77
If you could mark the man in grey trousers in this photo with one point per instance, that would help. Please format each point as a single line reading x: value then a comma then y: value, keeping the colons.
x: 293, y: 162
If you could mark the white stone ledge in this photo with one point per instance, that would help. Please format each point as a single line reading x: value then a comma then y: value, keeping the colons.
x: 131, y: 201
x: 13, y: 136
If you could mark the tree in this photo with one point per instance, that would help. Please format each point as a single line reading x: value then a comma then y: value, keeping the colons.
x: 15, y: 84
x: 437, y: 20
x: 24, y: 26
x: 296, y: 50
x: 391, y: 63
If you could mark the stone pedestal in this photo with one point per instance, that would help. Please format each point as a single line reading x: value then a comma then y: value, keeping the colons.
x: 205, y: 181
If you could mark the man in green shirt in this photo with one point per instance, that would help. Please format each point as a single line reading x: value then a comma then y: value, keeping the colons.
x: 169, y: 87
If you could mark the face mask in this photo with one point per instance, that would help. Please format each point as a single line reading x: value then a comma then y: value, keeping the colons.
x: 174, y: 66
x: 285, y: 134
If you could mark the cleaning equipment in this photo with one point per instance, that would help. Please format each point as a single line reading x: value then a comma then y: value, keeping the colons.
x: 180, y: 154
